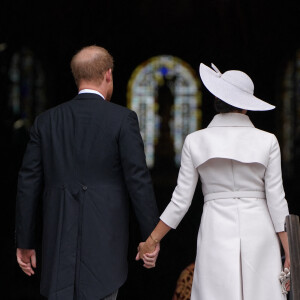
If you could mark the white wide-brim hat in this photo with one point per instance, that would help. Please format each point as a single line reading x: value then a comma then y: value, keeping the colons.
x: 233, y: 87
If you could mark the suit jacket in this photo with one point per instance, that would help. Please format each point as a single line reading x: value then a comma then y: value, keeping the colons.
x: 234, y: 160
x: 87, y: 157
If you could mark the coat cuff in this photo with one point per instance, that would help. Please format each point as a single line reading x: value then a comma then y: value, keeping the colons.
x: 279, y: 226
x: 171, y: 216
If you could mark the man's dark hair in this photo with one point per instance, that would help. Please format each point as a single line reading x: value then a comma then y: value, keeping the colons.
x: 223, y: 107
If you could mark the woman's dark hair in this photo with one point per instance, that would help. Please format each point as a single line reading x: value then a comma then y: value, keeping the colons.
x: 223, y: 107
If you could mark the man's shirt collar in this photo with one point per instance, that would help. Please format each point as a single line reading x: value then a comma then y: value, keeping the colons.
x: 90, y: 91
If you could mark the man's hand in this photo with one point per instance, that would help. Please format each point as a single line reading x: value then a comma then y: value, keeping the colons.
x: 26, y: 259
x: 148, y: 253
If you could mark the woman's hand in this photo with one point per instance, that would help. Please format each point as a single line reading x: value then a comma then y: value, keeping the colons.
x: 148, y: 252
x: 144, y: 248
x: 284, y: 241
x: 287, y: 264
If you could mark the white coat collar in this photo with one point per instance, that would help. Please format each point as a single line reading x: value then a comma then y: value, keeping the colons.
x: 231, y: 120
x: 230, y: 136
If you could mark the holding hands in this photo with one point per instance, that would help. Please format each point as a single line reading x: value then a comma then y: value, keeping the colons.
x: 148, y: 252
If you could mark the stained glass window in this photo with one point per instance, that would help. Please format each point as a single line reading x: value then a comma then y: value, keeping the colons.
x: 27, y: 97
x: 164, y: 91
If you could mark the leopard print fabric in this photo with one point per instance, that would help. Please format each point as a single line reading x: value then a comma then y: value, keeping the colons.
x: 184, y: 284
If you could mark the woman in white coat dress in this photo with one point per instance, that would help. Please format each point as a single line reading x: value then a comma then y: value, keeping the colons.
x: 238, y: 249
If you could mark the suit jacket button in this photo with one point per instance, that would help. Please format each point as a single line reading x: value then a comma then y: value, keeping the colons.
x: 84, y: 188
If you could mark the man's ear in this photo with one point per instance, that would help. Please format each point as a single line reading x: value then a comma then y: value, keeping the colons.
x: 108, y: 75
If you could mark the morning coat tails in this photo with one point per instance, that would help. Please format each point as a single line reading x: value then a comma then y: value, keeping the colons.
x: 87, y: 158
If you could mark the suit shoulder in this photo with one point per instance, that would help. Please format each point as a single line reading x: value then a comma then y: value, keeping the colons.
x: 45, y: 114
x: 118, y: 108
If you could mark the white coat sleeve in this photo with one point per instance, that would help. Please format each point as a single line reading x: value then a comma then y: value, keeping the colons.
x: 275, y: 195
x: 184, y: 191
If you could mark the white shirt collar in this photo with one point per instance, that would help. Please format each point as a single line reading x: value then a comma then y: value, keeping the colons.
x: 91, y: 92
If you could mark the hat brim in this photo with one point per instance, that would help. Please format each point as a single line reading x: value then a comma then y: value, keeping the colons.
x: 229, y: 93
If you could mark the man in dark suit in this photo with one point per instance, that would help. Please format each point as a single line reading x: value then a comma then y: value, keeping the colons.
x: 87, y: 157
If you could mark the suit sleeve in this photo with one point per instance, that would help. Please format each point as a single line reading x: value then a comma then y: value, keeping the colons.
x: 184, y: 191
x: 275, y: 195
x: 136, y: 174
x: 28, y: 191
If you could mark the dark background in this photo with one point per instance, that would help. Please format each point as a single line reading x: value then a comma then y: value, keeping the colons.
x: 257, y: 36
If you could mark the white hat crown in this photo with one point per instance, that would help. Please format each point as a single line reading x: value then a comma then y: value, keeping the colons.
x: 240, y: 80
